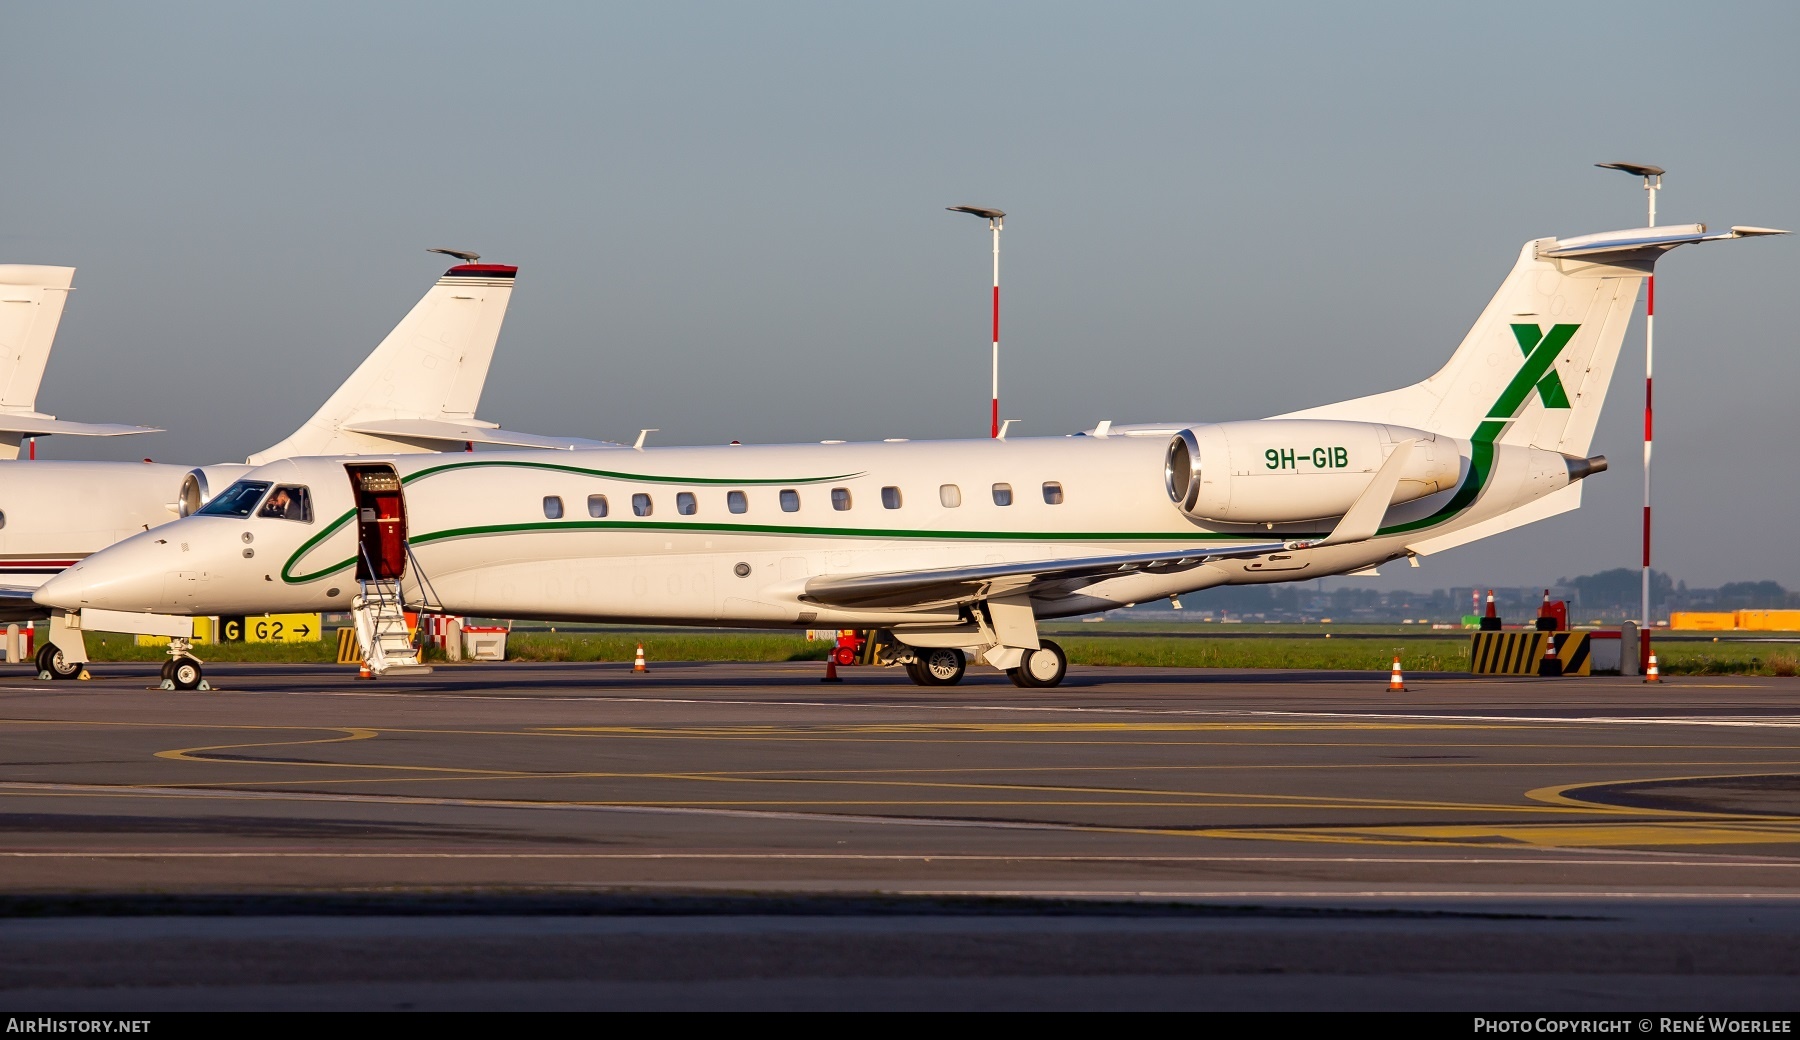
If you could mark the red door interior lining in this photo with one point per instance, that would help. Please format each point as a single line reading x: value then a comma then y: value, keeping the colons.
x: 381, y: 522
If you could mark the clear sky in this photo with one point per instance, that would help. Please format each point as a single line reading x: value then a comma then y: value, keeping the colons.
x: 730, y: 220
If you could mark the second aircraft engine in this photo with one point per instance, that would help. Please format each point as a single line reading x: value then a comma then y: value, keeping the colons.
x: 1284, y: 470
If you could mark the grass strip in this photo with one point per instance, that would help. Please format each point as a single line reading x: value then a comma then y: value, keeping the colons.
x: 1299, y: 651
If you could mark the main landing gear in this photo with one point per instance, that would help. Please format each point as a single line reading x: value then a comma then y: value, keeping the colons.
x: 938, y: 666
x: 1040, y: 668
x: 944, y: 666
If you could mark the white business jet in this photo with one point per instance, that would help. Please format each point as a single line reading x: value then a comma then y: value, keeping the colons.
x: 416, y: 392
x: 955, y: 549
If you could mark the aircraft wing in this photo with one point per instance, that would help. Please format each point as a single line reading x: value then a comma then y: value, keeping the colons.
x: 948, y: 585
x: 965, y: 584
x: 16, y: 604
x: 452, y: 432
x: 32, y: 424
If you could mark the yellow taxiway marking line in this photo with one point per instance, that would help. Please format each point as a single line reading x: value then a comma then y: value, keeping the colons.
x: 1522, y: 836
x: 1645, y: 860
x: 1559, y: 794
x: 193, y: 754
x: 1575, y: 835
x: 999, y: 727
x: 806, y: 732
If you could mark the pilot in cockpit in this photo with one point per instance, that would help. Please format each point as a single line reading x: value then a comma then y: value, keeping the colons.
x: 286, y: 504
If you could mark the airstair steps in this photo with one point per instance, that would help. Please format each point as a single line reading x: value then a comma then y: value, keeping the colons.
x: 379, y: 614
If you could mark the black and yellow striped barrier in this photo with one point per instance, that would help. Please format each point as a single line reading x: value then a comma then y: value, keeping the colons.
x: 348, y: 650
x: 1519, y: 653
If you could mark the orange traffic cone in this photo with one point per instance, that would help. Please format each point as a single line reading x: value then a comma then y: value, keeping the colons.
x: 831, y: 674
x: 638, y: 666
x: 363, y: 672
x: 1490, y: 622
x: 1550, y: 666
x: 1396, y: 682
x: 1651, y: 674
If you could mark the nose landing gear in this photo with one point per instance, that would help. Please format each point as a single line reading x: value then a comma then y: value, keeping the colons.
x: 182, y: 671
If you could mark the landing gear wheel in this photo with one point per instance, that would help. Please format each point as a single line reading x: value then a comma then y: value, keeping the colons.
x: 940, y: 666
x: 1041, y: 668
x: 167, y: 667
x: 53, y: 662
x: 185, y: 673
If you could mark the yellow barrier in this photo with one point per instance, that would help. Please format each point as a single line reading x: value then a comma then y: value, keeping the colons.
x: 1769, y: 620
x: 1741, y: 620
x: 348, y: 650
x: 1703, y: 620
x: 1519, y: 653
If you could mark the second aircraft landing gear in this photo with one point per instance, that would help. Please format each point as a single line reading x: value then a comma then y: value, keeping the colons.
x: 52, y: 663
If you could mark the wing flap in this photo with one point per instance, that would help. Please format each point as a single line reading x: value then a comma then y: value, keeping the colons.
x: 946, y: 585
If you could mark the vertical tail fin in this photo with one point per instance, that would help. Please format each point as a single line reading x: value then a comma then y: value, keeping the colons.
x: 1535, y: 367
x: 31, y: 307
x: 429, y: 370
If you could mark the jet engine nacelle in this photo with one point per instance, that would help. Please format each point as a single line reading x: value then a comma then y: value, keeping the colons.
x: 1283, y: 470
x: 200, y: 484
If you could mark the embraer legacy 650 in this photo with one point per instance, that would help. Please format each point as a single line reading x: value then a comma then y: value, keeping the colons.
x: 955, y: 549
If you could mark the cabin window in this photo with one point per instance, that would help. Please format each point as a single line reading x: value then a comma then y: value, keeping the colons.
x: 237, y: 500
x: 289, y: 502
x: 790, y: 500
x: 640, y: 504
x: 737, y: 501
x: 950, y: 495
x: 596, y: 505
x: 840, y: 499
x: 1053, y: 493
x: 684, y: 503
x: 552, y: 507
x: 890, y: 498
x: 1003, y: 494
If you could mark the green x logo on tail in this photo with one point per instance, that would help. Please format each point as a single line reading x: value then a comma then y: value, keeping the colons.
x: 1540, y: 349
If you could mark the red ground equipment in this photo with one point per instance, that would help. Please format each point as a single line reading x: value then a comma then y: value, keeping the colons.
x: 849, y: 648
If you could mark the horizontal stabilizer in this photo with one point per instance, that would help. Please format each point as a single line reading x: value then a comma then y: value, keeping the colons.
x: 443, y: 431
x: 1640, y: 243
x: 31, y: 424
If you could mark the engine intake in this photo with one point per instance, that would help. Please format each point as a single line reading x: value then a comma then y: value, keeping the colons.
x: 1286, y: 470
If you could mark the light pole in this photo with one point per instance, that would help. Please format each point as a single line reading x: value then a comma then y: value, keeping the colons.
x: 996, y: 219
x: 1652, y: 176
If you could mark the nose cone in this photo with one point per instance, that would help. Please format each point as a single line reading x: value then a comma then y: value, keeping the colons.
x: 62, y: 592
x: 119, y: 578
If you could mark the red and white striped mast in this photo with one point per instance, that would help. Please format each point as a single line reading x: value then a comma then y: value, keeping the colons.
x: 1652, y: 176
x: 996, y: 219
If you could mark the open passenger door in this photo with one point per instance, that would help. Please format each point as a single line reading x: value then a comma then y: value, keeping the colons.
x: 380, y: 522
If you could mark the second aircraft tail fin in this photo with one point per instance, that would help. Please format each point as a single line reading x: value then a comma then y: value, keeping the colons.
x: 424, y: 378
x: 32, y: 297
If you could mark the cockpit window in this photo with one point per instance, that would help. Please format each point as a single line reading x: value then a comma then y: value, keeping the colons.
x: 289, y: 502
x: 237, y: 500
